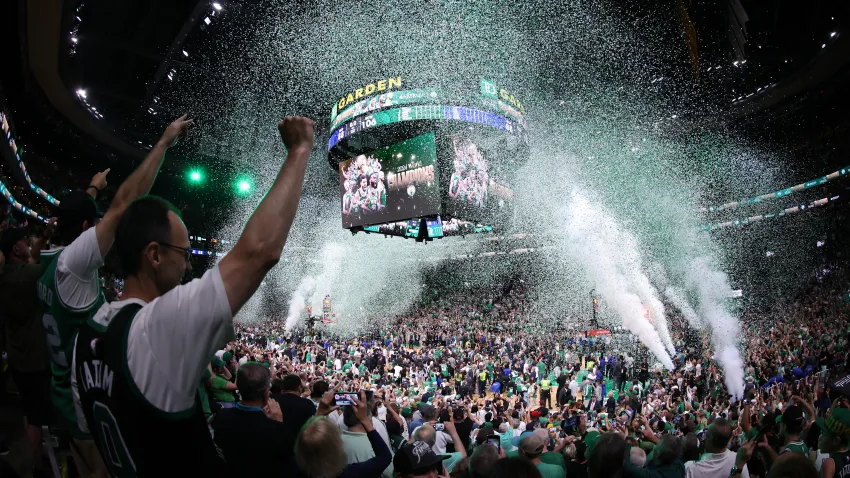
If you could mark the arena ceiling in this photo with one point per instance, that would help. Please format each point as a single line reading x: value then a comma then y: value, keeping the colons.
x: 91, y: 82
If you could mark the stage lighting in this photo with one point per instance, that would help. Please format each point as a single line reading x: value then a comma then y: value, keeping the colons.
x: 243, y: 186
x: 217, y: 6
x: 195, y: 176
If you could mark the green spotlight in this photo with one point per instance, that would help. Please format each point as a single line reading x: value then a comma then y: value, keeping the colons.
x: 243, y: 186
x: 195, y: 176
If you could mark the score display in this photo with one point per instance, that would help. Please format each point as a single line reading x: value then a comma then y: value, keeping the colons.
x: 410, y: 228
x: 423, y: 112
x: 435, y: 227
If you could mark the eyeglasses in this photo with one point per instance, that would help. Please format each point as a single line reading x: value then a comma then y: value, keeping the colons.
x: 187, y: 252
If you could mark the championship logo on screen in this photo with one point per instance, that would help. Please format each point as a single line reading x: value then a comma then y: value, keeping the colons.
x: 470, y: 176
x: 392, y: 183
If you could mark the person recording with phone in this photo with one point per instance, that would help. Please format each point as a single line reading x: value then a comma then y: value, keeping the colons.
x: 321, y: 450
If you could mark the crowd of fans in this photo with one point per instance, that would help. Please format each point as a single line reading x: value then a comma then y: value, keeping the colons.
x: 471, y: 379
x: 160, y: 381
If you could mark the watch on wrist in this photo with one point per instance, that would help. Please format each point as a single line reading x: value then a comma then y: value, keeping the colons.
x: 93, y: 186
x: 736, y: 471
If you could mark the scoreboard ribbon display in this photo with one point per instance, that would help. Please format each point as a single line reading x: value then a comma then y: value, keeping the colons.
x: 423, y: 112
x: 392, y: 98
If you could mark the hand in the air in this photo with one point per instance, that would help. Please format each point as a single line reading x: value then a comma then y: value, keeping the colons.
x: 297, y: 132
x: 272, y: 410
x: 99, y: 180
x: 179, y: 128
x: 326, y: 404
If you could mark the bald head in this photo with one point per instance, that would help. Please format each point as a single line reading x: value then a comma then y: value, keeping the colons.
x: 426, y: 433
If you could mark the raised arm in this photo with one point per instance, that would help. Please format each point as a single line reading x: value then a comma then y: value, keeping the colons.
x: 745, y: 419
x: 259, y: 248
x: 137, y: 185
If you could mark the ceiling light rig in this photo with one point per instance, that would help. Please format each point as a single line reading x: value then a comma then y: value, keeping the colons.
x: 73, y: 36
x: 82, y: 94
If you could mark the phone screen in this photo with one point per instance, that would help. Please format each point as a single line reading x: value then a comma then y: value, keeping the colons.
x: 494, y: 440
x: 439, y: 427
x: 344, y: 398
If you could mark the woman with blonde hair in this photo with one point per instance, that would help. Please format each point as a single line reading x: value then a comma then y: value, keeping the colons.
x: 320, y: 452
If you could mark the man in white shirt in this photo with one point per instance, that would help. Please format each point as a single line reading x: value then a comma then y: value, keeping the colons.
x: 139, y: 362
x: 718, y: 460
x: 573, y: 387
x: 70, y: 288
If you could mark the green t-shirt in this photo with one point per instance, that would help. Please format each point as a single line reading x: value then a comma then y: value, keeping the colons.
x: 346, y: 367
x: 553, y: 458
x: 202, y: 393
x: 795, y: 447
x: 550, y: 471
x: 218, y: 392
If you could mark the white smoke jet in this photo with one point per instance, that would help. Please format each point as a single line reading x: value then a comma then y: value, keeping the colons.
x: 713, y: 290
x: 330, y: 258
x: 297, y: 303
x: 594, y: 241
x: 630, y: 252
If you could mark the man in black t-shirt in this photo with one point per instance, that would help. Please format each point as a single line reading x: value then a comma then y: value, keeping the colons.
x: 298, y: 409
x: 463, y: 425
x: 254, y: 427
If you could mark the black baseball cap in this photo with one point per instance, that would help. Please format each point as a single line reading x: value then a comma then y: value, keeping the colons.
x: 793, y: 418
x: 77, y: 207
x: 416, y: 456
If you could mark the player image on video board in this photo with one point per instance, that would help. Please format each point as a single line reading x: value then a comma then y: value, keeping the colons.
x: 469, y: 178
x: 476, y: 190
x: 390, y: 184
x: 365, y: 191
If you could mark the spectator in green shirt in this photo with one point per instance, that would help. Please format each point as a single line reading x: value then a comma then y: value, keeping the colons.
x: 531, y: 447
x: 221, y: 388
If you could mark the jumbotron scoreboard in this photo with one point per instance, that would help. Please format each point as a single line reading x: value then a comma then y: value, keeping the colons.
x: 422, y: 160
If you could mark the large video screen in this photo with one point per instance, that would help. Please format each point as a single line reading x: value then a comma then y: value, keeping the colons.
x: 395, y: 182
x: 474, y: 191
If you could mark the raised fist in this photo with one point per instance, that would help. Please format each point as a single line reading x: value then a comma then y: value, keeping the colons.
x: 297, y: 132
